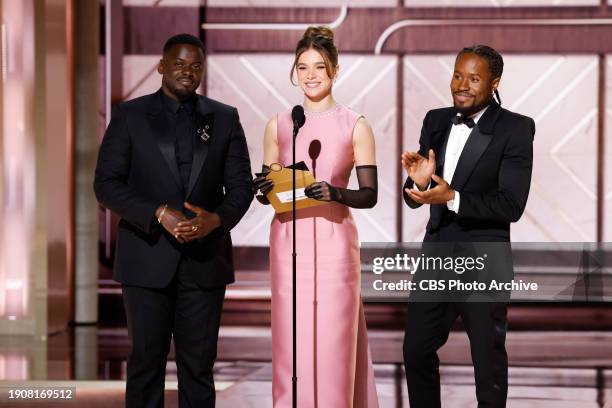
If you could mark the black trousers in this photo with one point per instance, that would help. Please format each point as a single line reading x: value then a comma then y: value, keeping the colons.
x: 191, y: 315
x: 427, y: 329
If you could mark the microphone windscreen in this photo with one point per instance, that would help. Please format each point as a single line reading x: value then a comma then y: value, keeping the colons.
x: 297, y: 115
x: 314, y: 150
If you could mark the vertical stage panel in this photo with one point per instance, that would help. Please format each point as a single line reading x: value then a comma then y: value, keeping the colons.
x: 607, y: 162
x: 86, y: 45
x: 22, y: 191
x: 58, y: 177
x: 35, y: 182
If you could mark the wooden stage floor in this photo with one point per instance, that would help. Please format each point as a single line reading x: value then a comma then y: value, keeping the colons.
x: 547, y: 368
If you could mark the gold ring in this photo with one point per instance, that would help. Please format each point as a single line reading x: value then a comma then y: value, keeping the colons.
x: 194, y: 228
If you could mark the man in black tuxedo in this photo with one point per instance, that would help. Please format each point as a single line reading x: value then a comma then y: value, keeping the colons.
x: 473, y: 168
x: 175, y: 167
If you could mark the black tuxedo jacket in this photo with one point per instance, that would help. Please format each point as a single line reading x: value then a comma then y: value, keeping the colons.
x: 493, y: 175
x: 137, y: 172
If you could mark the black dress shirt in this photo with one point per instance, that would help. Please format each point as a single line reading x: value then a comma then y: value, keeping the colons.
x: 181, y: 116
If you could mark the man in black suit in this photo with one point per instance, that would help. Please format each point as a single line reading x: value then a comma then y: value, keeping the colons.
x: 175, y: 167
x: 473, y: 168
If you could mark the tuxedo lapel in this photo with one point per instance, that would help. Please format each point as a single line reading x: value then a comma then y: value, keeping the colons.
x: 439, y: 138
x: 205, y: 120
x: 164, y: 136
x: 474, y: 147
x: 439, y: 141
x: 440, y: 149
x: 477, y: 143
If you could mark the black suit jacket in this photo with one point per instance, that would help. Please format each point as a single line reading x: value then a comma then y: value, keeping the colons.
x: 137, y: 172
x: 493, y: 175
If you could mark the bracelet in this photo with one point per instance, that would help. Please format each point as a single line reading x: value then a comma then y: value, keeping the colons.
x: 161, y: 214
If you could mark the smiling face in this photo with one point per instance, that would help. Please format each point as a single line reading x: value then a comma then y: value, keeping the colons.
x: 181, y: 68
x: 471, y: 85
x: 312, y: 75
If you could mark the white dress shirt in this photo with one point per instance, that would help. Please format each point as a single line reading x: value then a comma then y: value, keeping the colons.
x: 456, y: 142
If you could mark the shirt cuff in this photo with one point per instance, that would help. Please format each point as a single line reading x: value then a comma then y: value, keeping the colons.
x: 453, y: 204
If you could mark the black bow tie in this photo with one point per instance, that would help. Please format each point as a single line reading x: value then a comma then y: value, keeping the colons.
x: 460, y: 119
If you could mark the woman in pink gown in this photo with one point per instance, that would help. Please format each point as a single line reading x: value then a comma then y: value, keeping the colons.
x: 334, y: 367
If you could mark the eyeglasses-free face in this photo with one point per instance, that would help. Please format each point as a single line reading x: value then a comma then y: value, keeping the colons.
x: 182, y: 68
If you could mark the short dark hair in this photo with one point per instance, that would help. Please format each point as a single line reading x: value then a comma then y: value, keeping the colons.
x: 183, y: 39
x: 494, y: 59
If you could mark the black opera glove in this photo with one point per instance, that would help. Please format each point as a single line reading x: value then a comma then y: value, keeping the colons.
x: 262, y: 185
x: 365, y: 197
x: 322, y: 191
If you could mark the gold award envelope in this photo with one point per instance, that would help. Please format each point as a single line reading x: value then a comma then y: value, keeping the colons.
x: 281, y: 195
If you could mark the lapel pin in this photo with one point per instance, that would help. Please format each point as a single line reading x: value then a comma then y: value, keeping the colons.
x: 203, y: 134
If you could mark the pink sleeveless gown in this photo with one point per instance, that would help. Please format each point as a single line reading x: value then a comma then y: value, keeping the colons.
x: 334, y: 367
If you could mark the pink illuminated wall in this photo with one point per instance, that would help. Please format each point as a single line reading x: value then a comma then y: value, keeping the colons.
x: 16, y: 164
x: 264, y: 3
x: 259, y: 86
x: 560, y: 93
x: 13, y: 366
x: 499, y: 3
x: 554, y: 90
x: 556, y: 83
x: 363, y: 3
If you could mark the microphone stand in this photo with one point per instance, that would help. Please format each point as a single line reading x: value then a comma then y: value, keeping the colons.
x: 297, y: 116
x: 294, y: 271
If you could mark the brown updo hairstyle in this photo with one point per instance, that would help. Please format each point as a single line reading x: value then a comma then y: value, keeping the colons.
x: 321, y: 39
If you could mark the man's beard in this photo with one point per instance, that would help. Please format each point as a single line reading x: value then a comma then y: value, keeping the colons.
x: 472, y: 109
x: 467, y: 111
x: 464, y: 110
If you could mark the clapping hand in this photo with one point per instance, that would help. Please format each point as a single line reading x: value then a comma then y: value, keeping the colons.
x: 440, y: 194
x: 419, y: 168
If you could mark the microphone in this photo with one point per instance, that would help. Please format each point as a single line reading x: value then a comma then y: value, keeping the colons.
x: 297, y: 115
x: 314, y: 150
